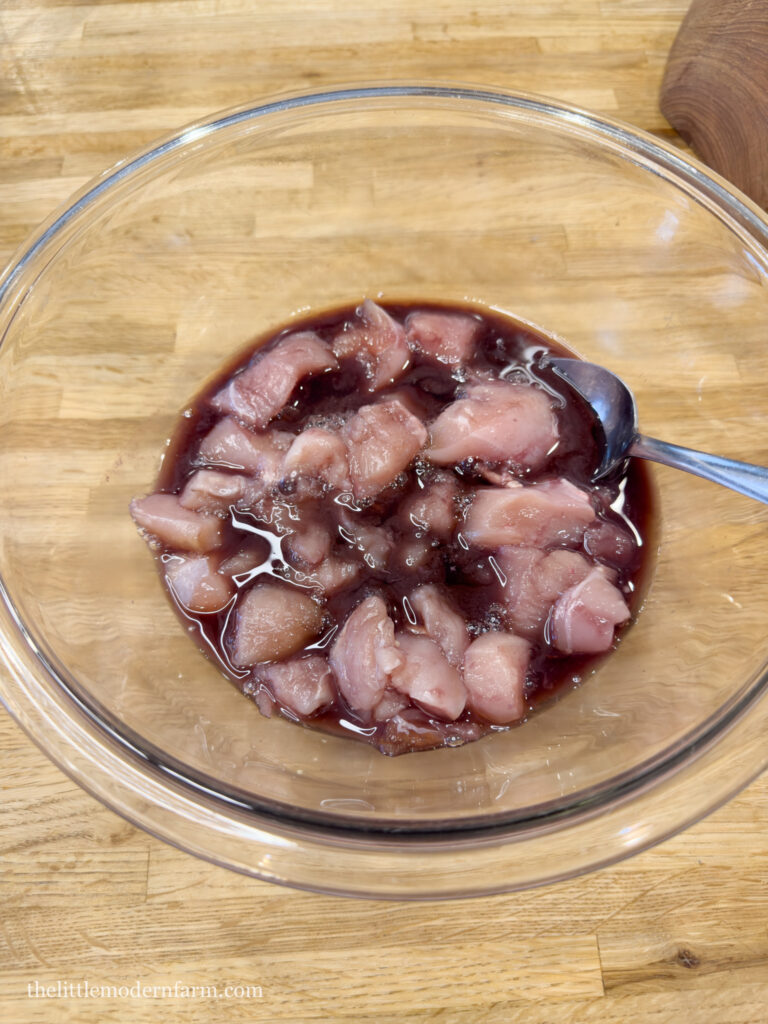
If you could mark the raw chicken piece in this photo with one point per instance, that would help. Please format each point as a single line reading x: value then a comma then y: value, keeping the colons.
x: 443, y: 624
x: 233, y: 447
x: 381, y: 440
x: 497, y: 422
x: 390, y: 704
x: 310, y: 544
x: 411, y: 398
x: 495, y: 667
x: 334, y: 573
x: 253, y: 552
x: 534, y: 581
x: 551, y: 512
x: 585, y: 616
x: 408, y: 731
x: 607, y: 541
x: 374, y: 543
x: 208, y: 490
x: 302, y: 684
x: 427, y: 677
x: 175, y: 526
x: 272, y: 622
x: 257, y: 395
x: 445, y: 337
x: 263, y: 699
x: 197, y: 584
x: 433, y: 509
x: 318, y: 455
x: 415, y: 553
x: 378, y: 342
x: 365, y: 655
x: 498, y: 477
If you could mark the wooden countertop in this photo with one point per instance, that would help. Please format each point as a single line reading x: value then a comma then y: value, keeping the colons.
x: 677, y: 933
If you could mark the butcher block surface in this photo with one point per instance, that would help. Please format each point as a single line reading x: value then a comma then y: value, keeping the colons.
x: 677, y: 933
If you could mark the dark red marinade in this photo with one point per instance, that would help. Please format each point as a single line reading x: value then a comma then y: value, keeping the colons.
x: 430, y: 561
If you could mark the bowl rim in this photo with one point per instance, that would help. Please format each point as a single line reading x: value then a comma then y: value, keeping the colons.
x: 141, y: 781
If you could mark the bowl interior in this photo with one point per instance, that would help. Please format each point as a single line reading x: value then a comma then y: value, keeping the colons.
x: 236, y: 230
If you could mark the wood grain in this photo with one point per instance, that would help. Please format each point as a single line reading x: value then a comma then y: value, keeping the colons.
x: 715, y: 89
x: 677, y: 933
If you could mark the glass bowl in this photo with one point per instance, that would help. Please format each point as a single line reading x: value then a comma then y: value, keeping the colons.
x: 126, y: 301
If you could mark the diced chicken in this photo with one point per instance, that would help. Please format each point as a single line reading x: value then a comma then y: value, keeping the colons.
x: 254, y: 552
x: 365, y: 655
x: 445, y: 337
x: 415, y: 553
x: 310, y: 544
x: 503, y: 477
x: 257, y: 395
x: 374, y: 543
x: 547, y: 513
x: 584, y: 618
x: 209, y: 490
x: 433, y: 509
x: 273, y: 621
x: 318, y: 455
x: 197, y: 584
x: 411, y: 398
x: 495, y: 668
x: 234, y: 447
x: 377, y: 342
x: 407, y: 731
x: 390, y: 704
x: 264, y: 700
x: 534, y: 580
x: 607, y: 541
x: 497, y: 422
x: 428, y: 678
x: 334, y: 573
x: 162, y: 516
x: 381, y: 440
x: 442, y: 622
x: 304, y: 685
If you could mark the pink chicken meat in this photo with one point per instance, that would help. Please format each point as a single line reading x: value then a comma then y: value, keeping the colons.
x: 497, y: 422
x: 257, y: 395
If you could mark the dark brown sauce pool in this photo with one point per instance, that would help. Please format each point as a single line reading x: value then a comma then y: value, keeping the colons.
x: 506, y: 349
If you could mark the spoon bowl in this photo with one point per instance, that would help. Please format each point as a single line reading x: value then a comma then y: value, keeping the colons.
x: 613, y: 405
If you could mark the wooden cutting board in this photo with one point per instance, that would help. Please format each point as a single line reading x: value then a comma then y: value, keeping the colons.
x: 679, y: 933
x: 715, y: 89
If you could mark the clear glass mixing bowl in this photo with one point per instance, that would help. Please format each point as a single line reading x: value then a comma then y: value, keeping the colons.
x: 128, y: 299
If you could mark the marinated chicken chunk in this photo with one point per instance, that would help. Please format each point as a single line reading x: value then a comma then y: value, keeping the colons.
x: 365, y: 655
x: 445, y: 337
x: 197, y: 584
x: 586, y: 615
x: 442, y: 622
x: 377, y: 341
x: 273, y: 621
x: 533, y: 580
x: 428, y: 678
x: 539, y: 515
x: 302, y: 684
x: 318, y: 457
x: 495, y: 669
x: 165, y: 521
x: 381, y: 440
x: 233, y: 447
x: 497, y: 422
x: 209, y: 490
x: 257, y: 395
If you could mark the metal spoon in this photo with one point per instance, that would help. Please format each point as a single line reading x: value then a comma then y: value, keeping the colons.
x: 614, y: 406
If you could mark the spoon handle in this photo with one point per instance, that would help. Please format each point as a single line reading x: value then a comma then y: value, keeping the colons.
x: 739, y: 476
